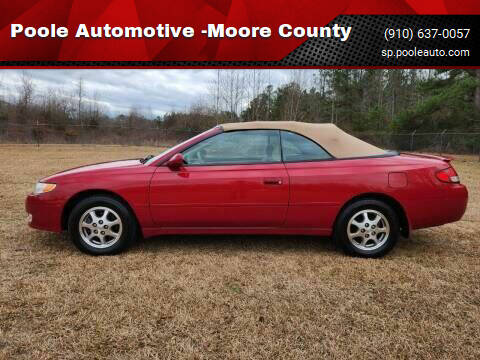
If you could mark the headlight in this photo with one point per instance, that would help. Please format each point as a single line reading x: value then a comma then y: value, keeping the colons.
x: 41, y: 188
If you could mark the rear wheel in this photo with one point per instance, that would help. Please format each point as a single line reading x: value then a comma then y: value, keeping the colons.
x: 100, y: 225
x: 367, y: 228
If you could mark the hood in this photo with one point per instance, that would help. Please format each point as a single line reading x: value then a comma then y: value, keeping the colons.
x: 94, y: 168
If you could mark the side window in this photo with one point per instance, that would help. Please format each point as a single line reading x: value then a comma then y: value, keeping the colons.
x: 236, y: 147
x: 298, y: 148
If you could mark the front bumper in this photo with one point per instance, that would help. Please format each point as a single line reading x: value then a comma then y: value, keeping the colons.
x: 43, y: 213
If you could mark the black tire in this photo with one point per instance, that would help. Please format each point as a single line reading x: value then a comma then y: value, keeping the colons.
x: 128, y: 226
x: 357, y: 211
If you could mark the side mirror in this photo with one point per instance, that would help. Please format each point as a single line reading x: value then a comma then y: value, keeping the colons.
x: 176, y: 162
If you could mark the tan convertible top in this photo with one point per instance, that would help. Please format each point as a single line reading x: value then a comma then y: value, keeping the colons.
x: 336, y: 141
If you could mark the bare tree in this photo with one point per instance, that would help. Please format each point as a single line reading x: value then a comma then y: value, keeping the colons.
x: 294, y: 94
x: 26, y: 89
x: 217, y: 92
x: 55, y: 108
x: 255, y: 84
x: 80, y: 94
x: 214, y: 91
x: 2, y: 93
x: 134, y: 116
x: 232, y: 90
x: 2, y: 101
x: 95, y: 110
x: 25, y: 96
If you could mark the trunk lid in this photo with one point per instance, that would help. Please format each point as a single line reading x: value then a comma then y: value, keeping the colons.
x: 428, y: 156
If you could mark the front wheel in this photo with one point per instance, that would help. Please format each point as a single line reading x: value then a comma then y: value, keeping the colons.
x: 100, y: 225
x: 367, y: 228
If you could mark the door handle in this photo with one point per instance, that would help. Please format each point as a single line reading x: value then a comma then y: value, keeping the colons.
x: 272, y: 181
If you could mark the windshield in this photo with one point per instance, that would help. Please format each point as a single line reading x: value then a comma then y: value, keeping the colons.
x: 172, y: 149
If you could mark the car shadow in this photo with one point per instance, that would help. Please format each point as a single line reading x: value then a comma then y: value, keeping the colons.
x: 60, y: 243
x: 235, y: 243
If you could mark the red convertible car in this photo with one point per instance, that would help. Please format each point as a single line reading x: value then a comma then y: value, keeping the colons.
x: 254, y: 178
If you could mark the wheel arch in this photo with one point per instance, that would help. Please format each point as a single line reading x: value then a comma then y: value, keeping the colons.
x: 395, y: 204
x: 75, y: 199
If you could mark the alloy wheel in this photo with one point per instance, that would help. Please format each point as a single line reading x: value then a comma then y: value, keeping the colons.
x: 100, y: 227
x: 368, y: 229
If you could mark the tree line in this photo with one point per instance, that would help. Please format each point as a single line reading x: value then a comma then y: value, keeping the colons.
x: 359, y: 100
x: 383, y: 101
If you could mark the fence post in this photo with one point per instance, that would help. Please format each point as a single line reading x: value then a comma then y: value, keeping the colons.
x: 411, y: 139
x: 441, y: 141
x: 38, y: 134
x: 478, y: 148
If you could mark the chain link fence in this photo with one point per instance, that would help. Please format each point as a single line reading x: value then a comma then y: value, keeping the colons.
x: 436, y: 142
x: 87, y: 134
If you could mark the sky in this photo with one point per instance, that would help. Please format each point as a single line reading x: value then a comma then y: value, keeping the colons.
x: 152, y: 91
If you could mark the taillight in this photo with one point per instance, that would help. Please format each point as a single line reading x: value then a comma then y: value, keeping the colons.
x: 448, y: 175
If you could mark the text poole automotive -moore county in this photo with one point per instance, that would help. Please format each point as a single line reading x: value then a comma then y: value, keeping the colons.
x: 166, y: 31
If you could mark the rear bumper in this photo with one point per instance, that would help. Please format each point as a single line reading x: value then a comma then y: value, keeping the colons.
x: 43, y: 213
x: 447, y: 208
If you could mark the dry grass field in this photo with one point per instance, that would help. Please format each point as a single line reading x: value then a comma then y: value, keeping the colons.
x: 235, y: 297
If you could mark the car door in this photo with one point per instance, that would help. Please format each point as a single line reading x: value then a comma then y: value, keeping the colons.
x: 313, y: 201
x: 233, y: 179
